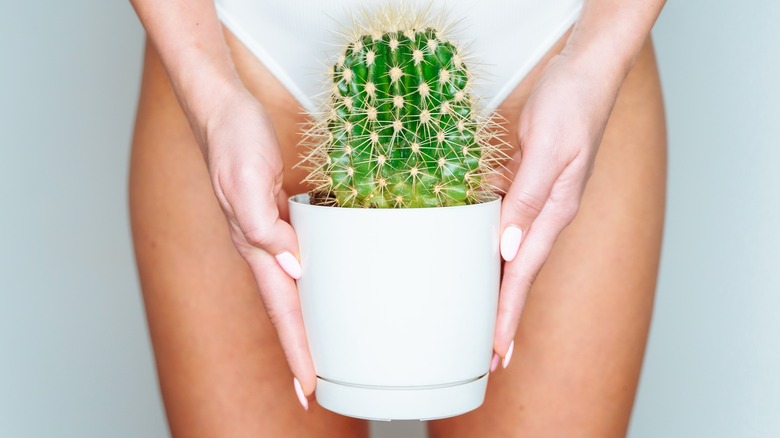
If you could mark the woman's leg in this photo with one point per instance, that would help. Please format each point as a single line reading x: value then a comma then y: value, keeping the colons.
x: 579, y: 348
x: 221, y: 368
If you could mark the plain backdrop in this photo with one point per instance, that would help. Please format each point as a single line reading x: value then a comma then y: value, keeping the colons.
x: 75, y: 359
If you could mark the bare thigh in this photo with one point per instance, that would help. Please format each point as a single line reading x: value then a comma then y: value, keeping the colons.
x: 221, y: 368
x: 581, y: 340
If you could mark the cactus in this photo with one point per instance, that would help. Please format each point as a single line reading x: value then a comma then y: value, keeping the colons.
x: 400, y: 127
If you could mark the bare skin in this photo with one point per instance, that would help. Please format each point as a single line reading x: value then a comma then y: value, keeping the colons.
x: 581, y: 338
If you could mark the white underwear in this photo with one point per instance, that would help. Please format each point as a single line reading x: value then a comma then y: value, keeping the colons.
x: 293, y: 38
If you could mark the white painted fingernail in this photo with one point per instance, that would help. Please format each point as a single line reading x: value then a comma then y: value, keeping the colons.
x: 508, y: 356
x: 510, y: 242
x: 494, y: 362
x: 299, y: 393
x: 290, y: 264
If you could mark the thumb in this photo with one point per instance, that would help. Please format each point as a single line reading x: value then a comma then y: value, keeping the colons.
x: 526, y: 198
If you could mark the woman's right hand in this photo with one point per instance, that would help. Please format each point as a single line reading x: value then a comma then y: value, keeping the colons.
x: 245, y: 164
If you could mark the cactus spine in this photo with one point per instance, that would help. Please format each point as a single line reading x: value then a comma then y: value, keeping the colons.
x: 400, y: 127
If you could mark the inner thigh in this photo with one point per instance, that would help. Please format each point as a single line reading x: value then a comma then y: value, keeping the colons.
x: 581, y: 340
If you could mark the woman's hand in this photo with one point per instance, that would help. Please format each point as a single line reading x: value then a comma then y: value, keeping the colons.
x: 245, y: 164
x: 559, y: 131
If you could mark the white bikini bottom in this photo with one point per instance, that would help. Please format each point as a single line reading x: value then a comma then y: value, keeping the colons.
x: 293, y: 38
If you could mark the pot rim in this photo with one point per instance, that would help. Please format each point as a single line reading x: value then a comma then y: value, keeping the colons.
x: 302, y: 199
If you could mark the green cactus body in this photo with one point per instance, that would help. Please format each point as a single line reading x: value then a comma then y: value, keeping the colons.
x: 400, y: 127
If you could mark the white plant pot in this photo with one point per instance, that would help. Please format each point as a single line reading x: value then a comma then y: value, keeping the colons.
x: 399, y: 306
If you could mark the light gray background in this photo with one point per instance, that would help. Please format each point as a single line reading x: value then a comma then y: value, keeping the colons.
x: 75, y: 359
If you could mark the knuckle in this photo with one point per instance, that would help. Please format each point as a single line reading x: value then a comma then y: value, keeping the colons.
x: 243, y: 175
x: 568, y: 211
x: 534, y: 139
x: 260, y: 236
x: 528, y: 204
x: 280, y: 317
x: 239, y: 175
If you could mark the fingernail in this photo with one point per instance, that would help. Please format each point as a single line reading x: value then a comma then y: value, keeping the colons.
x: 299, y: 393
x: 494, y: 362
x: 510, y: 242
x: 290, y: 264
x: 508, y: 356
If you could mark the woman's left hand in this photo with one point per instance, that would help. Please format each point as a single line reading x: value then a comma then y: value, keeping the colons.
x: 559, y: 131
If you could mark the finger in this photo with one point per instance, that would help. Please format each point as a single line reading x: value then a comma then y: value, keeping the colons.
x: 281, y: 302
x: 527, y: 197
x: 520, y: 273
x: 257, y: 214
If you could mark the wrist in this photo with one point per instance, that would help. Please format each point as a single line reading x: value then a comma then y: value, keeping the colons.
x: 609, y: 35
x: 600, y: 62
x: 204, y: 92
